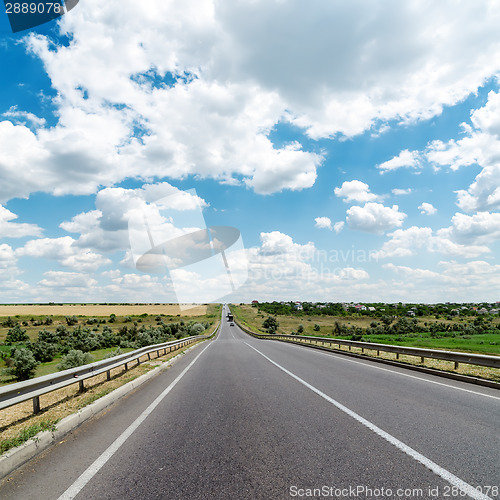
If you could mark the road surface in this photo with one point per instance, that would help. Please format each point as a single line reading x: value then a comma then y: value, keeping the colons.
x: 241, y: 418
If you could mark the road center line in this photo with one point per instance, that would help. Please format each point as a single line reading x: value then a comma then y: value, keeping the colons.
x: 93, y: 469
x: 438, y: 470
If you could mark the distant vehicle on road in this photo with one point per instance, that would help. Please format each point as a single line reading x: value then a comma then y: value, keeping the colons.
x: 231, y: 324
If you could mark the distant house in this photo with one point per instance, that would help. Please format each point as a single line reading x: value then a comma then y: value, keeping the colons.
x: 298, y: 306
x: 371, y: 309
x: 410, y: 313
x: 360, y: 307
x: 255, y: 302
x: 482, y: 311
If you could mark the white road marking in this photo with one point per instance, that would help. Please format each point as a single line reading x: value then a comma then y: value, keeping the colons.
x: 373, y: 366
x: 438, y: 470
x: 93, y: 469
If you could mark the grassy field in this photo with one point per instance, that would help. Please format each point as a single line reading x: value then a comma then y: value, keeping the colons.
x: 488, y: 343
x: 126, y: 315
x: 102, y: 310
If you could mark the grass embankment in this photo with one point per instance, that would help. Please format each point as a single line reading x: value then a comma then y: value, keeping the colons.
x: 487, y: 343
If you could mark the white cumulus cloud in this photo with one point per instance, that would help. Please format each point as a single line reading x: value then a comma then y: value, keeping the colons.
x: 323, y: 222
x: 9, y: 229
x: 427, y: 208
x: 374, y: 218
x: 405, y: 159
x: 355, y: 191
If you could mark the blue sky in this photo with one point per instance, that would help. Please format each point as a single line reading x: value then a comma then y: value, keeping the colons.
x: 356, y: 149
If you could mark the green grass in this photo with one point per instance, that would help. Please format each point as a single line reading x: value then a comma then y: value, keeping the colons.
x: 487, y: 343
x: 211, y: 316
x: 26, y: 434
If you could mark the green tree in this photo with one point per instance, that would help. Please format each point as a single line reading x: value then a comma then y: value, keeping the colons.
x: 300, y: 329
x: 16, y: 334
x: 23, y: 364
x: 73, y: 359
x: 197, y: 329
x: 270, y: 324
x: 387, y: 320
x: 42, y: 351
x: 71, y: 320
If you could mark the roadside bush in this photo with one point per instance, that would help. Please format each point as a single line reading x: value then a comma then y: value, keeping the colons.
x: 108, y: 338
x: 43, y: 351
x: 196, y: 329
x: 316, y: 328
x: 23, y: 364
x: 114, y: 353
x: 82, y: 339
x: 271, y: 324
x: 73, y: 359
x: 9, y: 323
x: 71, y: 320
x: 48, y: 337
x: 143, y: 339
x: 16, y: 334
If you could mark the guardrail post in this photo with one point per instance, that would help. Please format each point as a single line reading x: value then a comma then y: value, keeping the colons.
x: 36, y: 404
x: 149, y: 357
x: 126, y: 366
x: 456, y: 365
x: 108, y: 375
x: 397, y: 355
x: 422, y: 359
x: 81, y: 387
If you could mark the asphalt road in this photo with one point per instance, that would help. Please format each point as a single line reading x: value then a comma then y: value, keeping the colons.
x: 241, y: 418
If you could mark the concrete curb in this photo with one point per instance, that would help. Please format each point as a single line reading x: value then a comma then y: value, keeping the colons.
x: 15, y: 457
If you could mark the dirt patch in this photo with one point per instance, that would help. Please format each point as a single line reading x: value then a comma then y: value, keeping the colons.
x: 101, y: 310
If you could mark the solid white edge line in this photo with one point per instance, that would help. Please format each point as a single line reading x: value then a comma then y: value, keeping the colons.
x: 373, y: 365
x: 94, y: 468
x: 438, y: 470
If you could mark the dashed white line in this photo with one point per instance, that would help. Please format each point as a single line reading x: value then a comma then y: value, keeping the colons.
x: 438, y: 470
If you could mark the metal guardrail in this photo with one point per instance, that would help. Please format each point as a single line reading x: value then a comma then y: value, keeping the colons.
x: 456, y: 357
x: 19, y: 392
